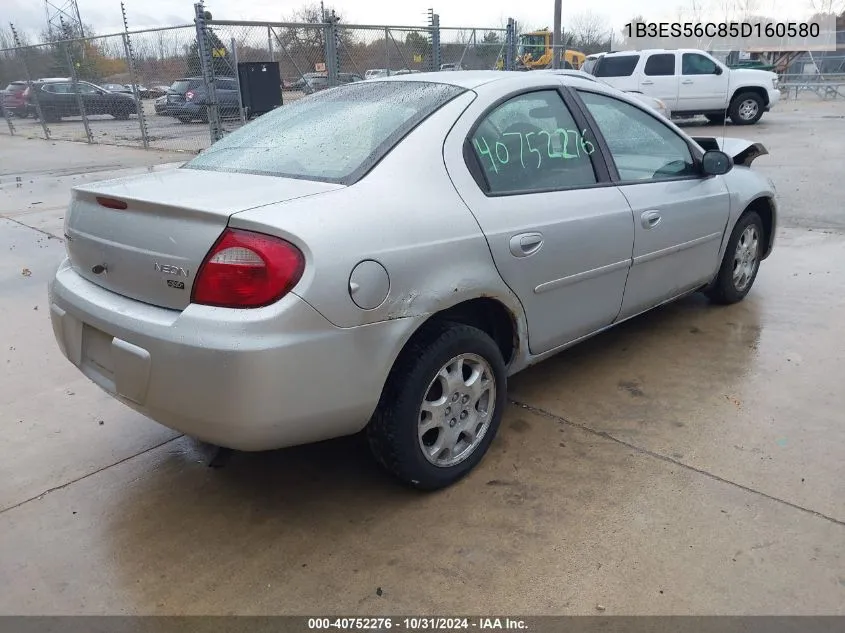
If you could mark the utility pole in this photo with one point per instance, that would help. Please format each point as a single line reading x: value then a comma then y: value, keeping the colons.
x: 556, y: 35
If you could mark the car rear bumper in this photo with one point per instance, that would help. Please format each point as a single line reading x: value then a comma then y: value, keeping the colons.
x: 244, y: 379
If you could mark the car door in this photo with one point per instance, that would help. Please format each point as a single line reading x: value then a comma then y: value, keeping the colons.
x: 680, y: 215
x: 560, y: 237
x: 659, y: 79
x: 94, y: 100
x: 704, y: 84
x: 64, y: 98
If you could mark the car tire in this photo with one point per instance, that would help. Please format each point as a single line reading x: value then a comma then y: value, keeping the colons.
x: 420, y: 375
x: 184, y: 119
x: 51, y: 115
x: 740, y: 263
x: 716, y: 119
x: 746, y: 108
x: 121, y: 115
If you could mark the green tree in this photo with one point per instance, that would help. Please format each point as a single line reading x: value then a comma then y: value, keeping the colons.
x: 220, y: 59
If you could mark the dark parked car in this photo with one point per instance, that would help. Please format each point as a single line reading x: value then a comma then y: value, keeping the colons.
x: 13, y: 98
x: 58, y: 99
x: 187, y: 98
x: 314, y: 82
x: 161, y: 105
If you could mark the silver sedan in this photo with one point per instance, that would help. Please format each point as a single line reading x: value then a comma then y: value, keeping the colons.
x: 381, y: 256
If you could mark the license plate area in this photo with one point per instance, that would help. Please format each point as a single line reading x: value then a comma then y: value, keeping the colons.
x: 97, y: 359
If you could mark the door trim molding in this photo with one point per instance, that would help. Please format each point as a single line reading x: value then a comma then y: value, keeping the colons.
x: 582, y: 276
x: 643, y: 259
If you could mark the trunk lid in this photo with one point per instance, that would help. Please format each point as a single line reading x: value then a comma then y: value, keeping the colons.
x: 151, y: 250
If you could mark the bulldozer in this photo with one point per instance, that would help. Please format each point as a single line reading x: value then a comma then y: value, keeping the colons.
x: 535, y: 52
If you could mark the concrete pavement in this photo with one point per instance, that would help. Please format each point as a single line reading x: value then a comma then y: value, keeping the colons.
x: 688, y: 462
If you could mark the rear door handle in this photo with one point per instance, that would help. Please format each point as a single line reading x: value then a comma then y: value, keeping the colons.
x: 687, y: 81
x: 647, y: 83
x: 525, y: 244
x: 650, y: 219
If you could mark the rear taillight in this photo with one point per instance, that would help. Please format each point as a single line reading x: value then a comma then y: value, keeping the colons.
x: 247, y: 270
x: 27, y: 92
x: 189, y: 96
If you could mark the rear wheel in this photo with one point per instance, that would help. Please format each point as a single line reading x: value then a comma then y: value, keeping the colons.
x: 746, y: 108
x: 741, y: 261
x: 441, y: 406
x: 121, y: 115
x: 184, y: 119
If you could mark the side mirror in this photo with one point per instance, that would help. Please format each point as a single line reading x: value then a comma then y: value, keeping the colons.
x: 718, y: 70
x: 716, y: 163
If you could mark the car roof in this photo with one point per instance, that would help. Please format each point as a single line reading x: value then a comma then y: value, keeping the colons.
x: 471, y: 79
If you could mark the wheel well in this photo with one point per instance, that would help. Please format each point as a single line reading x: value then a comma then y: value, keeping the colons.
x: 755, y: 89
x: 489, y: 316
x: 764, y: 208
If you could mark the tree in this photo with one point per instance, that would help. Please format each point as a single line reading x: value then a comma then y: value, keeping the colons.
x: 220, y: 59
x: 491, y: 37
x: 588, y: 33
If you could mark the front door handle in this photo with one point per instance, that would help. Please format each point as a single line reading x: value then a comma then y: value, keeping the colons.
x: 686, y: 81
x: 525, y: 244
x: 650, y: 219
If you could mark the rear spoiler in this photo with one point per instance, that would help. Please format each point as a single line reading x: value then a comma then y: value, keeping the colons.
x: 743, y: 152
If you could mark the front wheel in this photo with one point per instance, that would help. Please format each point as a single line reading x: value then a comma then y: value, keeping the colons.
x: 746, y: 108
x: 441, y: 406
x: 740, y: 263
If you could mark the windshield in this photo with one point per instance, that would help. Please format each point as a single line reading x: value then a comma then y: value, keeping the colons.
x: 534, y: 44
x: 336, y: 135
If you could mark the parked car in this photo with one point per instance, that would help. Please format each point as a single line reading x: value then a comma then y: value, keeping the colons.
x: 381, y: 256
x: 192, y: 104
x: 127, y: 90
x: 146, y: 93
x: 14, y: 100
x: 373, y: 73
x: 161, y: 105
x: 655, y: 104
x: 692, y: 82
x: 590, y: 62
x: 58, y: 99
x: 310, y: 83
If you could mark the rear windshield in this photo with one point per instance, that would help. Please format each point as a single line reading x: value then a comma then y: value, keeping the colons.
x: 15, y: 87
x: 183, y: 85
x: 617, y: 66
x: 335, y: 135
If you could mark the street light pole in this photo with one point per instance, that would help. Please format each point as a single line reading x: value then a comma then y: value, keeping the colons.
x: 556, y: 36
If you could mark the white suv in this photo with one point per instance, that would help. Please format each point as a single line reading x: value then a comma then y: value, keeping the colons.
x: 692, y: 82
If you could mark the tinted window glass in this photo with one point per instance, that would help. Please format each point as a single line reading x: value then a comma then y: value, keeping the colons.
x: 333, y: 135
x: 662, y: 64
x: 695, y: 64
x: 227, y: 84
x: 616, y: 66
x: 531, y: 143
x: 642, y: 147
x: 87, y: 89
x: 15, y: 87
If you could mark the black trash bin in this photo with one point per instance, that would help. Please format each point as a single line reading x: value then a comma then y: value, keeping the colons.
x: 261, y: 87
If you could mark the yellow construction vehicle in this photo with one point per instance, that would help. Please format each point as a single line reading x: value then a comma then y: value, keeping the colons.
x: 535, y: 51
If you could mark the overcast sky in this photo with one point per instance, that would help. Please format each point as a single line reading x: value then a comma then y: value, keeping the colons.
x: 104, y: 15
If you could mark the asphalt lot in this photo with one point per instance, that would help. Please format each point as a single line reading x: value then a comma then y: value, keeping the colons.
x: 687, y: 462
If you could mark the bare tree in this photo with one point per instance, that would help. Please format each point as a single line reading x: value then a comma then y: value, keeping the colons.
x: 588, y: 32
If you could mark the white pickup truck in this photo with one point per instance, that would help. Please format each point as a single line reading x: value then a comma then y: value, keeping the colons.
x: 692, y: 82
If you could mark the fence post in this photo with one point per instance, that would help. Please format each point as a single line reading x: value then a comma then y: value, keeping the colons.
x: 74, y: 79
x: 510, y: 45
x: 270, y: 43
x: 32, y: 92
x: 331, y: 51
x: 436, y: 59
x: 204, y: 53
x: 387, y: 50
x: 7, y: 116
x: 133, y: 77
x: 234, y: 46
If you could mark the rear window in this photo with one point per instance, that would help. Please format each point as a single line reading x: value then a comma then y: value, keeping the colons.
x: 15, y: 87
x: 616, y: 66
x: 183, y: 85
x: 335, y: 135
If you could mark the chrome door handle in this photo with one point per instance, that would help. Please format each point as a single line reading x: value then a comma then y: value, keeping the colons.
x: 650, y: 219
x: 687, y: 81
x: 525, y: 244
